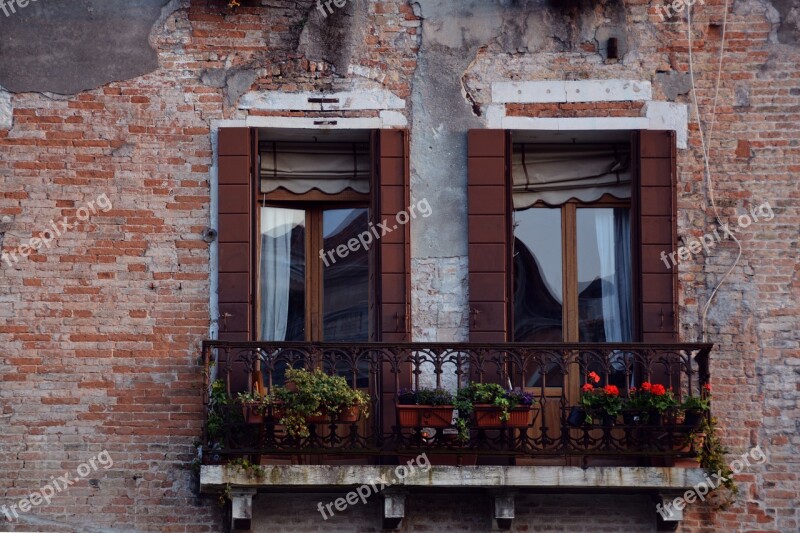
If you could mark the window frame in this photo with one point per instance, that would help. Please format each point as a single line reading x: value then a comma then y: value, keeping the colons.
x: 569, y: 260
x: 314, y: 293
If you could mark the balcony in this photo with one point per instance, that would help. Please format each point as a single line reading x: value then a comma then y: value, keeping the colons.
x: 552, y: 433
x: 552, y: 446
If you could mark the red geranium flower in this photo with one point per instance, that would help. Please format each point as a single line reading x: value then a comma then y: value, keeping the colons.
x: 594, y: 377
x: 587, y: 388
x: 611, y: 390
x: 707, y: 387
x: 646, y: 386
x: 658, y: 390
x: 633, y: 390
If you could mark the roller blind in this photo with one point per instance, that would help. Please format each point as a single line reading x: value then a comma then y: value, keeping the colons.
x: 556, y: 174
x: 300, y: 167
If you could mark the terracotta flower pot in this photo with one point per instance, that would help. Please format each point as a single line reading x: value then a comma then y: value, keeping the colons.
x: 434, y: 416
x: 350, y: 415
x: 250, y: 411
x: 487, y: 415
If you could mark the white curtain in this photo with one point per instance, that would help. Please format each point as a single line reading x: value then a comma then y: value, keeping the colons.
x: 606, y: 246
x: 555, y: 174
x: 276, y: 269
x: 612, y: 230
x: 300, y: 167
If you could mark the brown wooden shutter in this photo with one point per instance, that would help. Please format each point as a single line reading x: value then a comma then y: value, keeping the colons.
x: 391, y: 257
x: 489, y: 235
x: 391, y: 195
x: 236, y: 223
x: 655, y: 219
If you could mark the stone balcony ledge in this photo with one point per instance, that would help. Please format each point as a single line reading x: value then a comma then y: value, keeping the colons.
x: 215, y: 478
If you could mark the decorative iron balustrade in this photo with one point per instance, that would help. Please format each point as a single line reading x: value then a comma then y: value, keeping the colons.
x: 552, y: 373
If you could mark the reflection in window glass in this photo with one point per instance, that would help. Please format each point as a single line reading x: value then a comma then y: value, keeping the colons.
x: 282, y: 271
x: 345, y: 279
x: 538, y: 293
x: 604, y: 275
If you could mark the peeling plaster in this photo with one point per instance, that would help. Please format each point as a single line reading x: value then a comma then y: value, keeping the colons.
x: 6, y: 111
x: 89, y: 44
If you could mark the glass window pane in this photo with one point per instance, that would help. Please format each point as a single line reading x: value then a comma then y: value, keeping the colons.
x: 345, y: 283
x: 604, y: 275
x: 538, y: 284
x: 282, y: 274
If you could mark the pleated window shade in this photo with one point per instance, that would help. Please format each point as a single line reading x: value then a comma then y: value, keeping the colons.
x: 301, y: 167
x: 555, y: 174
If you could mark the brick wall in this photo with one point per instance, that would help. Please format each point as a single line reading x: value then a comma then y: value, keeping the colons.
x: 99, y: 334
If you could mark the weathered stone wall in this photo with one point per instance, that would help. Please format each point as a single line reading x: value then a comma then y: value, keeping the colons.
x: 99, y: 333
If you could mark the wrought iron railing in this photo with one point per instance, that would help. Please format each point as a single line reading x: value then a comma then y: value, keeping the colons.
x: 552, y: 373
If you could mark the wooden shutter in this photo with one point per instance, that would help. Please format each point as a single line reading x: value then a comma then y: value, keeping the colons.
x: 236, y: 224
x: 655, y: 214
x: 391, y: 257
x: 489, y: 235
x: 391, y: 196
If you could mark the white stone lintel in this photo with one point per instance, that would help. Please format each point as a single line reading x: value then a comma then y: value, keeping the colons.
x: 346, y: 100
x: 563, y: 91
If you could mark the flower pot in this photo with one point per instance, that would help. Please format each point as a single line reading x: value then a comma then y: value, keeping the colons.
x: 434, y: 416
x: 250, y: 411
x: 577, y: 417
x: 350, y: 415
x: 487, y: 415
x: 323, y: 418
x: 654, y: 418
x: 608, y: 420
x: 693, y: 419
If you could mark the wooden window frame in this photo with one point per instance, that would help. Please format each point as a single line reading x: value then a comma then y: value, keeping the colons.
x: 569, y: 260
x: 314, y: 213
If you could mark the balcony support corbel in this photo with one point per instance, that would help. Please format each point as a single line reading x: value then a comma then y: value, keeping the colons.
x: 504, y: 508
x: 394, y: 507
x: 669, y: 510
x: 242, y: 509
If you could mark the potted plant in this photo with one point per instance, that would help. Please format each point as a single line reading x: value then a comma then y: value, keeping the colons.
x: 318, y: 398
x: 600, y: 403
x: 694, y: 408
x: 648, y: 404
x: 492, y: 406
x: 425, y: 407
x: 254, y: 406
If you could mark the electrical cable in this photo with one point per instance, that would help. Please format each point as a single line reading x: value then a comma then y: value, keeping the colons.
x: 707, y: 148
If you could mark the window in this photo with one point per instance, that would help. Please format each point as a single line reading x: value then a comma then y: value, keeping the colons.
x: 314, y: 198
x: 285, y: 196
x: 572, y: 273
x: 565, y: 234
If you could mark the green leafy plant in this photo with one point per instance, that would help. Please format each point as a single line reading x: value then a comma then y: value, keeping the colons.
x: 701, y: 403
x: 711, y: 457
x: 259, y: 402
x: 425, y: 396
x: 316, y: 393
x: 486, y: 393
x: 218, y: 401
